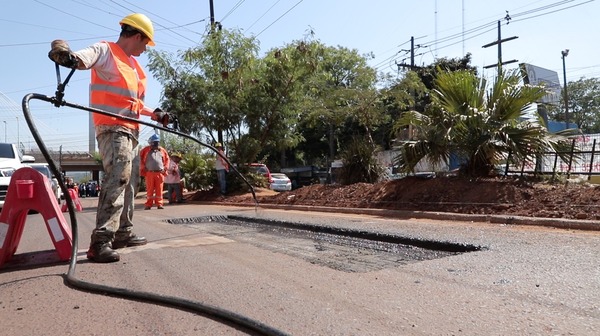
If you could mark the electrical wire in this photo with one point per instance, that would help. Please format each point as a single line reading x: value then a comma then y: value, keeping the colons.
x: 87, y: 4
x: 555, y: 11
x: 236, y: 6
x: 494, y: 23
x: 158, y: 24
x: 216, y: 313
x: 282, y: 15
x: 265, y: 13
x: 75, y: 16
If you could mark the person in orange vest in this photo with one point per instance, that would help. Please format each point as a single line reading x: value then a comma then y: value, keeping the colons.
x: 118, y: 85
x: 222, y: 168
x: 154, y: 162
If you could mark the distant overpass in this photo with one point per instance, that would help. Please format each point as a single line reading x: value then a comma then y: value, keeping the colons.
x: 71, y: 162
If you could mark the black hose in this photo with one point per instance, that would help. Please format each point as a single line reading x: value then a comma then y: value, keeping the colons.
x: 224, y: 316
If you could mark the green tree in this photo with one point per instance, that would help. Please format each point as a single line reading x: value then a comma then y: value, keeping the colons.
x: 429, y: 73
x: 584, y: 105
x: 223, y: 86
x: 343, y: 89
x: 207, y: 86
x: 412, y: 92
x: 478, y: 125
x: 277, y: 98
x: 360, y: 165
x: 399, y: 96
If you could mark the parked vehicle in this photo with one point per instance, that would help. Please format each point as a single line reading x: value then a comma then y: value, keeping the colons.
x: 11, y: 159
x: 280, y: 182
x: 305, y: 176
x: 44, y: 169
x: 262, y: 169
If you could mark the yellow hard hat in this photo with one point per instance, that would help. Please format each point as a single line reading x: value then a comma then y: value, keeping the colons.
x: 142, y: 23
x: 218, y: 144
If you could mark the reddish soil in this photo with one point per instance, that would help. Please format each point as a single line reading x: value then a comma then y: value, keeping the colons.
x: 446, y: 194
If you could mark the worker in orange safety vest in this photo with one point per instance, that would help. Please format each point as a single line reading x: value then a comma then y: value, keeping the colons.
x: 154, y: 162
x: 118, y: 85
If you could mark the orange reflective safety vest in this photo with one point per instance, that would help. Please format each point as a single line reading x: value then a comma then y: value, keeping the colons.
x: 125, y: 96
x: 144, y: 155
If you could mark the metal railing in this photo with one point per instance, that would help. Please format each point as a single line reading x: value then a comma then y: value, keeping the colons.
x: 581, y: 161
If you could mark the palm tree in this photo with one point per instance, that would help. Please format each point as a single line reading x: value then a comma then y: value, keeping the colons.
x: 478, y: 125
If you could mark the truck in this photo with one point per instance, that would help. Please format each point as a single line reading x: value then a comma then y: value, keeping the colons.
x: 11, y: 159
x: 307, y: 175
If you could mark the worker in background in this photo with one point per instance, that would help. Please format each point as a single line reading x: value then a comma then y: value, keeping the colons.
x: 222, y: 168
x: 154, y: 161
x: 173, y: 180
x: 118, y: 85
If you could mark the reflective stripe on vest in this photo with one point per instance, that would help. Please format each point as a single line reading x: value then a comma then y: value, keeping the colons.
x: 124, y: 96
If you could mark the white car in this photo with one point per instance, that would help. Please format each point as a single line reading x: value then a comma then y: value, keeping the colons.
x: 280, y: 182
x: 11, y: 159
x: 44, y: 169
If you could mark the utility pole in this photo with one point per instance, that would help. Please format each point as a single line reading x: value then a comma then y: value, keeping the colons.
x: 412, y: 56
x: 566, y: 95
x: 212, y: 14
x: 212, y: 29
x: 499, y: 43
x: 412, y: 52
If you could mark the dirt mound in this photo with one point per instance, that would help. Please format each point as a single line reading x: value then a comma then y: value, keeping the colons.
x: 447, y: 194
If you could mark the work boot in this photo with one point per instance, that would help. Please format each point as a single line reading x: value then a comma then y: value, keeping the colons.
x: 131, y: 240
x: 102, y: 253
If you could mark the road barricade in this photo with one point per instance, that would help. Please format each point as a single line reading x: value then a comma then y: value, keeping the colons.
x: 30, y: 190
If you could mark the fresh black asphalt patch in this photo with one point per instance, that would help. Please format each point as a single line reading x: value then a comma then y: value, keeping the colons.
x: 337, y: 248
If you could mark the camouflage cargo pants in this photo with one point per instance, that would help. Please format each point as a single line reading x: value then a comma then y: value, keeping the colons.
x: 120, y: 159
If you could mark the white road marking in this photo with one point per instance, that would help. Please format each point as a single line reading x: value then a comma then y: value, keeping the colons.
x: 196, y: 241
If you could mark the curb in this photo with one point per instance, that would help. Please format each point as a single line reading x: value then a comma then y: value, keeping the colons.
x: 561, y: 223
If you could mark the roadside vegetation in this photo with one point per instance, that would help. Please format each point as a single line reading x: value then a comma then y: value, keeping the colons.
x: 309, y: 104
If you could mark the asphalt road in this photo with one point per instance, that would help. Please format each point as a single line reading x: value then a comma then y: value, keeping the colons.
x: 526, y: 280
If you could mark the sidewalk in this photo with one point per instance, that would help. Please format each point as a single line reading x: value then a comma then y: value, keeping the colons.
x: 561, y: 223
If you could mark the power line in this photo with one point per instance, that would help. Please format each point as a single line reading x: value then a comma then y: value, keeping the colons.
x: 43, y: 27
x: 75, y: 16
x: 87, y: 4
x: 282, y: 15
x: 558, y: 10
x: 46, y: 42
x: 265, y: 13
x: 236, y: 6
x: 483, y: 26
x: 158, y: 24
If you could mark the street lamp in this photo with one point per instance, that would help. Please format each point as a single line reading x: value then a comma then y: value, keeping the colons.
x: 4, y: 130
x: 566, y: 95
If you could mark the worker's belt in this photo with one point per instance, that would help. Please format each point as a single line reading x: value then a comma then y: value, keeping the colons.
x: 154, y: 171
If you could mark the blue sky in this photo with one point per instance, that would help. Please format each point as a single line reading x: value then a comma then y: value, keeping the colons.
x: 442, y: 28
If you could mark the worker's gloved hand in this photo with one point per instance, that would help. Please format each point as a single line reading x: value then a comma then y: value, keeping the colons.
x: 61, y: 54
x: 165, y: 118
x: 174, y: 121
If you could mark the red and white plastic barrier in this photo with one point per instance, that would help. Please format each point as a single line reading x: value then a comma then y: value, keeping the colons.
x: 30, y: 190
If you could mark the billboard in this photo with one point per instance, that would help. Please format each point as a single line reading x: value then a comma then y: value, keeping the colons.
x: 535, y: 75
